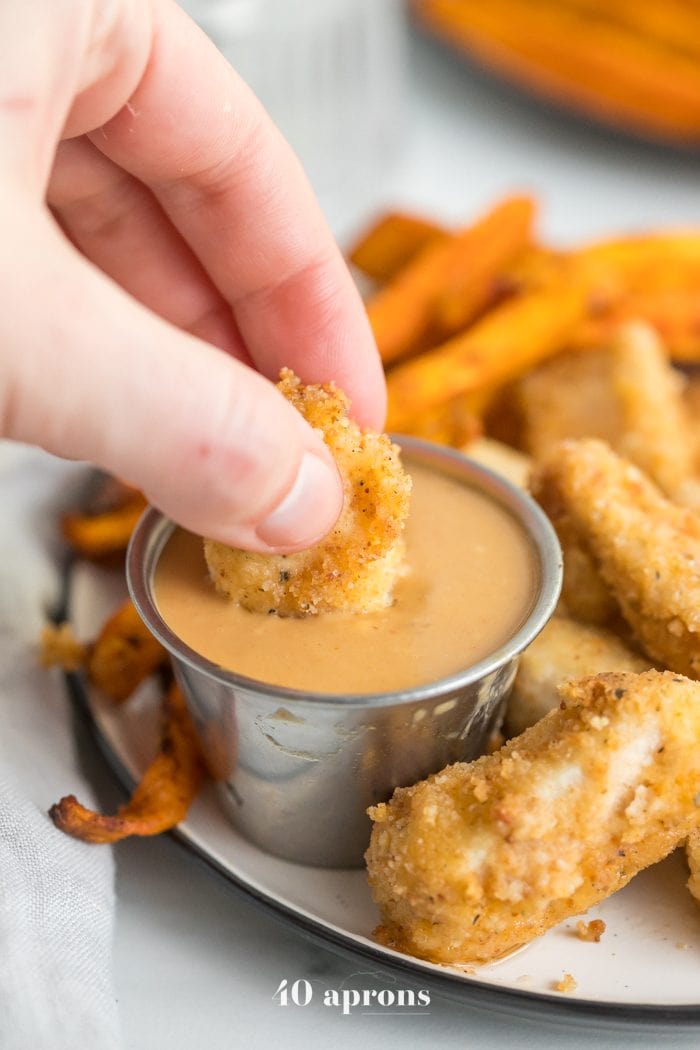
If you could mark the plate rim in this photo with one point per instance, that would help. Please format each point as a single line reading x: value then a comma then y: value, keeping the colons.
x: 546, y: 1007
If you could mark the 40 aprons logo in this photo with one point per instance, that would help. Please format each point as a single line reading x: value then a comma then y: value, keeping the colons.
x: 364, y: 1000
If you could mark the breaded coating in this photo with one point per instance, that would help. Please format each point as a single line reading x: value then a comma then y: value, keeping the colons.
x: 585, y: 596
x: 355, y: 567
x: 646, y: 549
x: 564, y: 650
x: 483, y: 857
x: 692, y: 852
x: 627, y: 394
x: 59, y: 647
x: 590, y: 931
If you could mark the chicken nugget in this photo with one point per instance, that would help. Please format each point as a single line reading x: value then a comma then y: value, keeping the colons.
x: 585, y: 596
x: 627, y: 394
x: 646, y: 549
x: 564, y: 650
x: 692, y: 852
x: 354, y: 568
x: 483, y: 857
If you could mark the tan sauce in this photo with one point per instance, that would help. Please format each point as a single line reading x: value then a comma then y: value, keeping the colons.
x: 470, y: 584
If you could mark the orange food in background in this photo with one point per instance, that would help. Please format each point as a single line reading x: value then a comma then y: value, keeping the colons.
x: 631, y: 63
x: 470, y: 310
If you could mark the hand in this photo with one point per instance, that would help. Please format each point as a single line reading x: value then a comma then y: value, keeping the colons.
x: 180, y: 263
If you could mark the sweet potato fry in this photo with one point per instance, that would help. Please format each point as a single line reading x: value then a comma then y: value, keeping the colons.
x: 107, y: 532
x: 465, y: 293
x: 455, y: 424
x: 513, y: 337
x: 124, y: 653
x: 596, y: 65
x: 655, y: 278
x: 392, y: 242
x: 160, y: 800
x: 465, y: 265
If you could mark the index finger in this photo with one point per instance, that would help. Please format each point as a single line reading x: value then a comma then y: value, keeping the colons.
x: 198, y: 137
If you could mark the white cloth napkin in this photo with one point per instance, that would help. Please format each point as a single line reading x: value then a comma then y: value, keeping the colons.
x: 56, y: 894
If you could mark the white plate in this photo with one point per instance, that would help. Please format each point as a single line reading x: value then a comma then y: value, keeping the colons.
x: 645, y: 970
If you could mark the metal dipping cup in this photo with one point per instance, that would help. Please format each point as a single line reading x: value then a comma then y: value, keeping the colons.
x: 298, y: 770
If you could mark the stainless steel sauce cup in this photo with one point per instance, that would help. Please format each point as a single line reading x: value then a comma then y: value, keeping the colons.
x: 298, y: 770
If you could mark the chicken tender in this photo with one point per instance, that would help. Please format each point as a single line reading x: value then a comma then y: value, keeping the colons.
x: 692, y: 852
x: 585, y: 596
x: 628, y: 395
x: 355, y: 567
x: 483, y: 857
x: 646, y: 549
x: 564, y: 650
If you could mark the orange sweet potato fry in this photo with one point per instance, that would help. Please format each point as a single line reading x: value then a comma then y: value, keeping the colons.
x: 655, y: 278
x: 466, y: 266
x: 124, y: 654
x: 163, y: 796
x: 455, y: 424
x: 617, y: 72
x: 506, y: 342
x: 466, y: 292
x: 392, y: 242
x: 107, y: 532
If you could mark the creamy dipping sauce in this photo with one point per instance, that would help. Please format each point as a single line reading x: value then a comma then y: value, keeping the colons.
x: 470, y: 585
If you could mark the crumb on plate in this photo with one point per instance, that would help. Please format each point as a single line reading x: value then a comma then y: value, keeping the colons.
x: 590, y: 931
x: 58, y: 647
x: 567, y: 985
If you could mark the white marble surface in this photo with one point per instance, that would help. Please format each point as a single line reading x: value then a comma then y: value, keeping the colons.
x: 197, y: 967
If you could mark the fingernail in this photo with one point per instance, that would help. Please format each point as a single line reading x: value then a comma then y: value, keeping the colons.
x: 308, y: 510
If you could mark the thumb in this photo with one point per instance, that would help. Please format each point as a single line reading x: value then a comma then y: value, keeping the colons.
x: 89, y: 373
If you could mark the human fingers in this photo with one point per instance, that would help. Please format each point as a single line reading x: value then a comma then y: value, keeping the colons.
x: 194, y: 133
x: 117, y: 223
x: 93, y: 374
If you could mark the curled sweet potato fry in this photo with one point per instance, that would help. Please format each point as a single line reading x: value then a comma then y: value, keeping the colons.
x: 163, y: 796
x: 124, y: 653
x: 392, y: 242
x: 107, y: 532
x: 502, y: 345
x: 464, y: 268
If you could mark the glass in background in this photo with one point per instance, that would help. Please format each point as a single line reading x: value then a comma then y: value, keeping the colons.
x: 331, y: 74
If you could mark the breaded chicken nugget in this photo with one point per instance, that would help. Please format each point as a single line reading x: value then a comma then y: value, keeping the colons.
x: 692, y: 852
x: 585, y: 596
x: 565, y: 650
x: 355, y: 567
x: 628, y: 395
x: 483, y: 857
x: 646, y: 549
